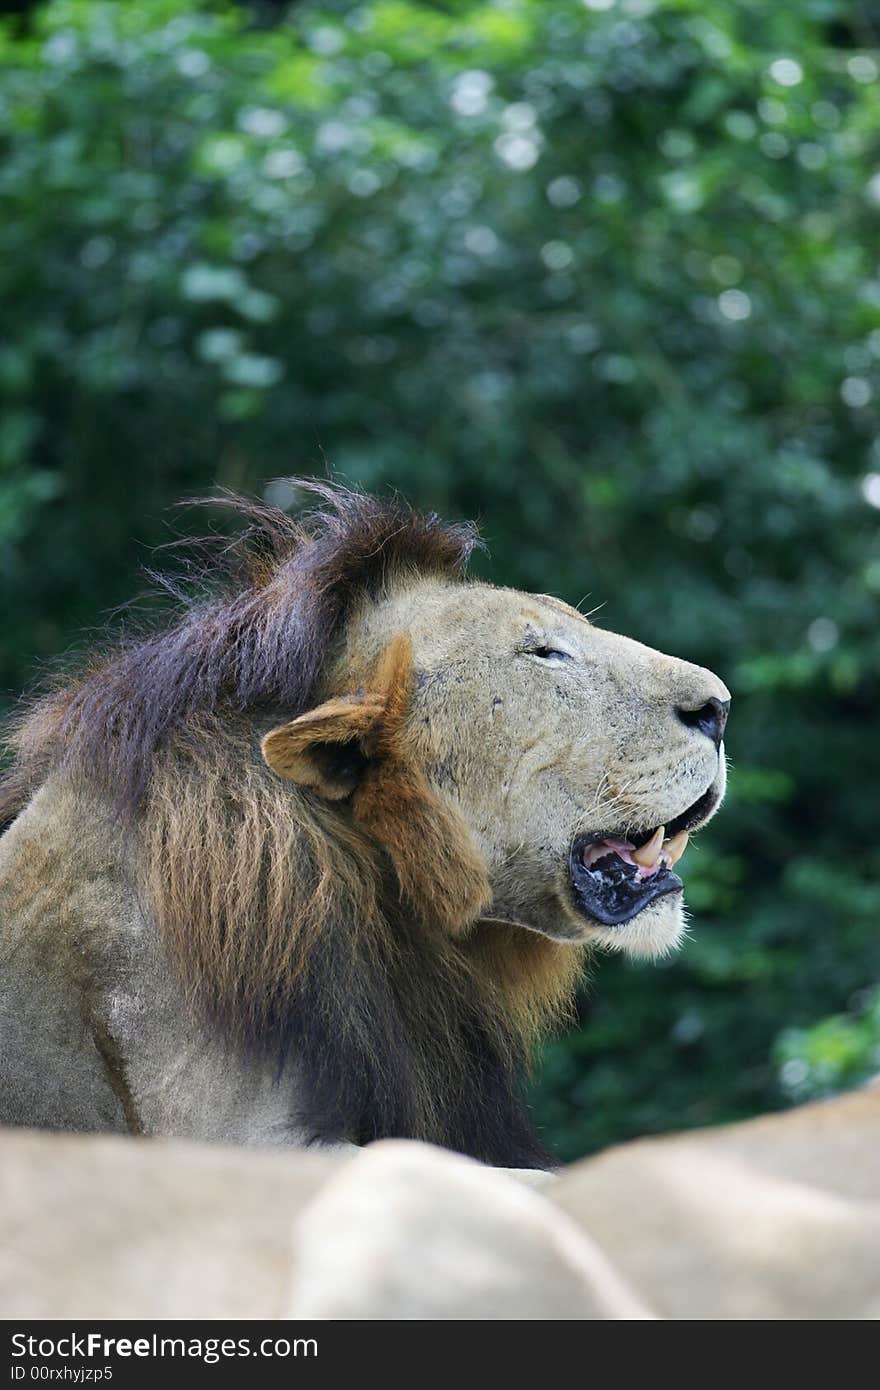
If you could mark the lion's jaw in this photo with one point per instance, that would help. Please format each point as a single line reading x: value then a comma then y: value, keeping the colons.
x: 550, y: 735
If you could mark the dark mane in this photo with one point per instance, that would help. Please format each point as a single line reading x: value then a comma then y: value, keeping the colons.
x: 285, y: 585
x: 282, y: 918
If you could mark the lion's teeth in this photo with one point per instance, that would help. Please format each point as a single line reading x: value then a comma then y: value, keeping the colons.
x: 676, y: 846
x: 648, y: 855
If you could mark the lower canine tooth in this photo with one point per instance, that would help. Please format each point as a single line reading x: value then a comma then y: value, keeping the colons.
x: 676, y: 847
x: 648, y: 855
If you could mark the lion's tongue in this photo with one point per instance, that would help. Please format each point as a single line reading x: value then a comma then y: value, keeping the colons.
x: 624, y: 850
x: 647, y: 859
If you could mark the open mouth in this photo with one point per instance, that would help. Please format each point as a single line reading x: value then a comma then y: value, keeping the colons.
x: 615, y: 876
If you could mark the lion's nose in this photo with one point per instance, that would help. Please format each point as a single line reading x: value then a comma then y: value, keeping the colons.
x: 710, y: 718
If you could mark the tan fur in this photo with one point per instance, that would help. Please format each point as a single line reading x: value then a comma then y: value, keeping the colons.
x: 438, y: 867
x: 244, y: 871
x: 402, y: 847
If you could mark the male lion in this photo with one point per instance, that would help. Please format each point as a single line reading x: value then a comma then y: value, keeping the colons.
x: 321, y: 860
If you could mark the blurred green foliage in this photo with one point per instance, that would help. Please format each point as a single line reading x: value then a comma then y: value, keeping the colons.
x: 602, y: 274
x: 838, y: 1052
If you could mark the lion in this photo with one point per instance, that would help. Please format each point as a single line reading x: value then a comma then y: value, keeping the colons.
x: 321, y: 860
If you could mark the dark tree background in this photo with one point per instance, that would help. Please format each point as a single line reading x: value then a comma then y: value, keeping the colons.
x: 602, y: 273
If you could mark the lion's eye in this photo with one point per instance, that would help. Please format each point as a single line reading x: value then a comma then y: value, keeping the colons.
x: 548, y: 653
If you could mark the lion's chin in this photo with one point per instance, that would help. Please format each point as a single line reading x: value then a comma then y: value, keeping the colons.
x: 656, y: 931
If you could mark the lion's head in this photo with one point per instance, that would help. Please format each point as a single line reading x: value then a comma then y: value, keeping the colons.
x: 577, y: 759
x: 378, y: 812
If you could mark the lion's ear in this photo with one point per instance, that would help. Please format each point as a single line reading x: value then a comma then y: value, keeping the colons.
x: 323, y: 750
x: 329, y: 749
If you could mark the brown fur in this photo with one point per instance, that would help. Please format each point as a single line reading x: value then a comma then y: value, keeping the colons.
x: 261, y: 616
x: 245, y: 873
x: 249, y: 876
x: 345, y: 898
x: 438, y: 867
